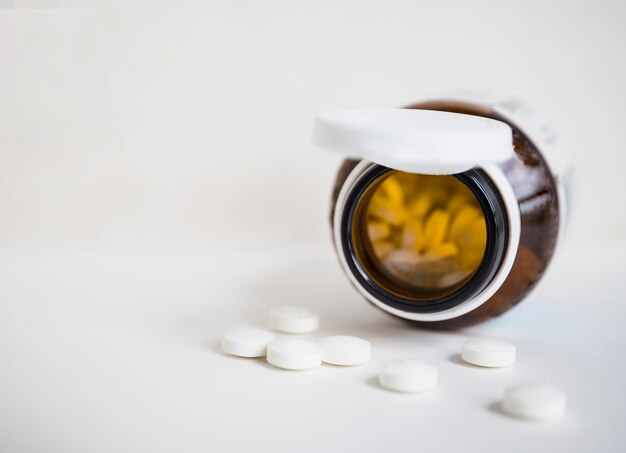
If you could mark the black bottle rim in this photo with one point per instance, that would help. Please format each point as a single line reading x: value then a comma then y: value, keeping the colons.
x: 494, y: 210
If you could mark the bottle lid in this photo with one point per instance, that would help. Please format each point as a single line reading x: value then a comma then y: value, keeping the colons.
x: 415, y: 141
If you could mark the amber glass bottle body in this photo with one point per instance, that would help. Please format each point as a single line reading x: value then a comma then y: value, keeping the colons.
x: 537, y: 194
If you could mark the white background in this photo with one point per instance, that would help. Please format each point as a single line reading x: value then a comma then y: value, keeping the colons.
x: 157, y: 122
x: 157, y: 187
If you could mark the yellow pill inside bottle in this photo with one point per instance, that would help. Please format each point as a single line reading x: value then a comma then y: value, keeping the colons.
x: 419, y: 236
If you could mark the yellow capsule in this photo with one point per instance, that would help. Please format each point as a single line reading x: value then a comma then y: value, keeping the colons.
x: 409, y: 182
x: 474, y: 236
x: 420, y: 205
x: 435, y: 229
x: 382, y: 247
x: 384, y: 210
x: 412, y: 236
x: 470, y: 259
x: 462, y: 220
x: 442, y: 251
x: 445, y: 249
x: 439, y: 194
x: 393, y: 191
x: 378, y: 230
x: 455, y: 204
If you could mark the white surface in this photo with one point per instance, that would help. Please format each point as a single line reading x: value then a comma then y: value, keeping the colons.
x: 535, y: 402
x: 415, y: 141
x: 293, y: 319
x: 147, y: 122
x: 408, y: 376
x: 119, y: 351
x: 488, y: 352
x: 294, y: 354
x: 143, y: 125
x: 247, y: 342
x: 345, y: 350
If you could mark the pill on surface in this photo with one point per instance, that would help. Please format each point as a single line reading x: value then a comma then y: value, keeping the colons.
x: 345, y: 350
x: 247, y: 342
x: 293, y: 319
x: 537, y: 402
x: 294, y: 354
x: 490, y: 353
x: 408, y: 376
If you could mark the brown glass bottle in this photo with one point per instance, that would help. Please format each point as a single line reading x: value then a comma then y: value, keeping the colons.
x: 539, y: 187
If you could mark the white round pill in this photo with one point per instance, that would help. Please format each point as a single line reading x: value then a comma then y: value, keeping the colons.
x: 293, y: 319
x: 345, y: 350
x: 292, y: 354
x: 489, y: 353
x: 409, y: 376
x: 247, y: 342
x: 535, y: 402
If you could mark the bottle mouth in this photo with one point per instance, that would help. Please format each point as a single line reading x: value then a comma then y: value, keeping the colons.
x: 423, y: 243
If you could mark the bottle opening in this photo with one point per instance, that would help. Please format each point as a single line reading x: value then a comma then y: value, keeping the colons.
x: 419, y: 237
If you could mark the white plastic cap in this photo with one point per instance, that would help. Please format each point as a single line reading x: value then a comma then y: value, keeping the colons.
x: 415, y: 141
